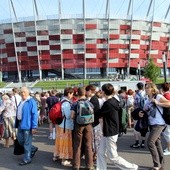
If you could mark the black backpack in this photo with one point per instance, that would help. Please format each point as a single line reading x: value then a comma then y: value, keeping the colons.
x: 165, y: 114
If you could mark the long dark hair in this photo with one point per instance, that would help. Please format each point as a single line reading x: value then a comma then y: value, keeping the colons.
x: 165, y: 87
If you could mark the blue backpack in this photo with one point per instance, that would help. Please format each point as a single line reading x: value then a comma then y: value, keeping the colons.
x: 141, y: 101
x: 85, y: 112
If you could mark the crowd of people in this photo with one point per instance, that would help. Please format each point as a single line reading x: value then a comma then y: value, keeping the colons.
x: 21, y: 112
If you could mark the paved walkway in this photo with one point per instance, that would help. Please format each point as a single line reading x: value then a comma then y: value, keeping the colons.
x: 43, y: 158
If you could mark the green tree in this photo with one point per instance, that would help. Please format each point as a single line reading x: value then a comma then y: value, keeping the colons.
x: 152, y: 71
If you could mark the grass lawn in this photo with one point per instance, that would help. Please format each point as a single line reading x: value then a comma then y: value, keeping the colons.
x: 2, y: 84
x: 61, y: 84
x: 161, y: 80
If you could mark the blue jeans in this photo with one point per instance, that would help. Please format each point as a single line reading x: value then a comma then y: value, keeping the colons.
x: 25, y: 139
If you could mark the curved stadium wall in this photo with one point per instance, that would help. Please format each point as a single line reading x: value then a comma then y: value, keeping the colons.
x: 78, y: 46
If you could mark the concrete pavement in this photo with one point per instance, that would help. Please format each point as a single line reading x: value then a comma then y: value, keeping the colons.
x: 43, y: 158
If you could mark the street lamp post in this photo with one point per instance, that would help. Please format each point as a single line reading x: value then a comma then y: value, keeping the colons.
x: 139, y: 70
x: 164, y: 66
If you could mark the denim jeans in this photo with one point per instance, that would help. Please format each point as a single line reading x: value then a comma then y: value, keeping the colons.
x: 25, y: 139
x: 155, y: 145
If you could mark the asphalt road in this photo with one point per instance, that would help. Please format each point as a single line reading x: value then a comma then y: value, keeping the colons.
x: 43, y: 158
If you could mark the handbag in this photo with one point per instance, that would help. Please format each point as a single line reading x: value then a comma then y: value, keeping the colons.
x: 18, y: 149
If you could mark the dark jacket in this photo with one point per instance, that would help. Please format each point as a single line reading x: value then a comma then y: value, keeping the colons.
x: 94, y: 100
x: 109, y: 113
x: 51, y: 101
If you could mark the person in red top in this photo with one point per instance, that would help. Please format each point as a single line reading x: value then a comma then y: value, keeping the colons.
x: 165, y: 90
x: 166, y: 93
x: 75, y: 95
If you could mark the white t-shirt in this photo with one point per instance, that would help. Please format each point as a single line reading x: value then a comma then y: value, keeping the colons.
x: 130, y: 100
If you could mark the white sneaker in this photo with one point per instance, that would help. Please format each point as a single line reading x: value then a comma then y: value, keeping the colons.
x: 50, y: 137
x: 155, y: 168
x: 65, y: 163
x: 167, y: 152
x: 135, y: 167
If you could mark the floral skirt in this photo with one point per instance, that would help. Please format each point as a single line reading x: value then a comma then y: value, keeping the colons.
x: 9, y: 127
x: 63, y: 143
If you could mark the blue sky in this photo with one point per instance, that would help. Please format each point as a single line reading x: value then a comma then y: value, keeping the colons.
x: 118, y: 8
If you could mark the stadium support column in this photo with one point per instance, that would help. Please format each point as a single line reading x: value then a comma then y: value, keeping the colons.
x: 16, y: 54
x: 36, y: 16
x: 108, y: 37
x: 151, y: 32
x: 164, y: 66
x: 130, y: 38
x: 84, y: 19
x: 61, y: 48
x: 13, y: 34
x: 167, y: 12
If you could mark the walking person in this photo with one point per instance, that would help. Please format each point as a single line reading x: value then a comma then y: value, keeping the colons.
x: 63, y: 142
x: 139, y: 100
x: 7, y: 109
x: 97, y: 132
x: 27, y: 122
x: 51, y: 101
x: 108, y: 146
x: 156, y: 124
x: 43, y: 108
x: 16, y: 97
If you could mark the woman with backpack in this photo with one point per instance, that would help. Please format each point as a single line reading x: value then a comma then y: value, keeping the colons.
x: 63, y: 142
x: 153, y: 104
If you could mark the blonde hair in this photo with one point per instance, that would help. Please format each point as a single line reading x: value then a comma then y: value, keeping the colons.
x: 154, y: 89
x: 5, y: 97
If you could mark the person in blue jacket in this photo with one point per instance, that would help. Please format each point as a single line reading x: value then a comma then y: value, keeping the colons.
x: 27, y: 118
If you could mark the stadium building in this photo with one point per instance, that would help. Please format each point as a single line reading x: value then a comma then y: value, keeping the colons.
x: 82, y: 46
